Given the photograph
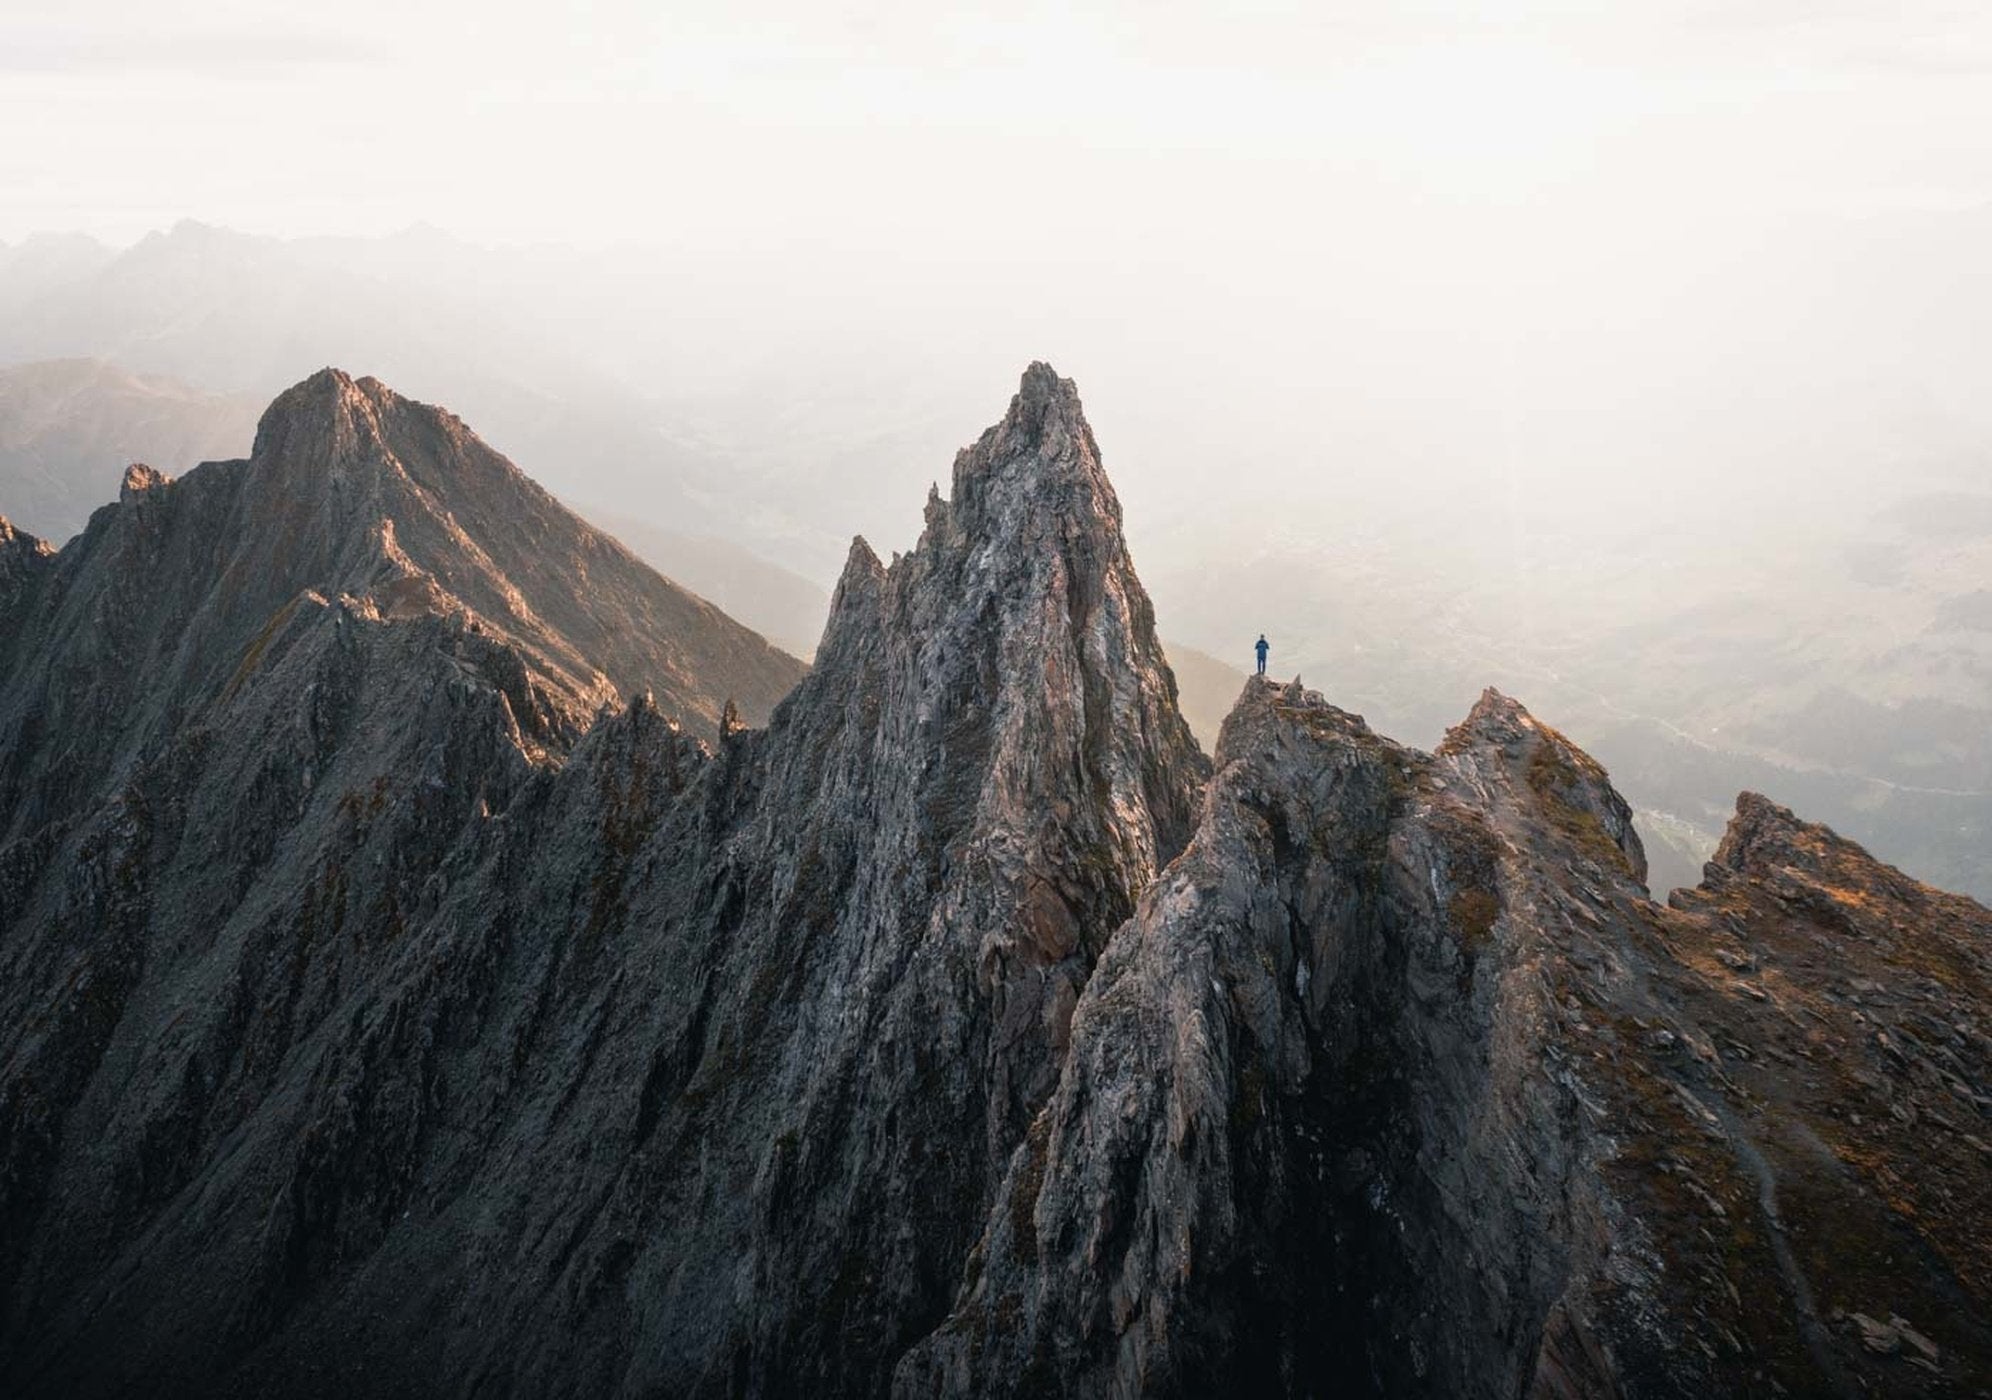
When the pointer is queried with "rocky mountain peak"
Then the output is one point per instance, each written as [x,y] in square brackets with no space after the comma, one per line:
[22,556]
[322,416]
[1500,745]
[333,427]
[1041,458]
[362,491]
[1011,658]
[377,505]
[1494,719]
[14,538]
[1025,571]
[1769,848]
[139,478]
[1267,710]
[1761,835]
[858,584]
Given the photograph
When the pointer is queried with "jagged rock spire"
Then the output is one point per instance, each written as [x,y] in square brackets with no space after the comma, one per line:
[1020,605]
[955,810]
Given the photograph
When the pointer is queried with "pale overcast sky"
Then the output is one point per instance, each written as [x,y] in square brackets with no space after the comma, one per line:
[1591,251]
[1011,127]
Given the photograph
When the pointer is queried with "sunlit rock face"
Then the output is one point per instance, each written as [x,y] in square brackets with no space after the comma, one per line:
[415,978]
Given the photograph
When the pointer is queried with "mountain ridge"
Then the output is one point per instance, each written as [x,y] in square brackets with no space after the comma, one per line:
[390,1005]
[919,743]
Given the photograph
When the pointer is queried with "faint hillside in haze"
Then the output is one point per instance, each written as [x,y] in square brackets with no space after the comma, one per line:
[69,427]
[1206,689]
[779,603]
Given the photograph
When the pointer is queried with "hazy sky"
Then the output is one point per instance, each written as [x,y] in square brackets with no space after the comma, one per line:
[954,132]
[1598,245]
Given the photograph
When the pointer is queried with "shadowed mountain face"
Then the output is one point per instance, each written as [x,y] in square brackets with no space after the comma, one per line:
[394,998]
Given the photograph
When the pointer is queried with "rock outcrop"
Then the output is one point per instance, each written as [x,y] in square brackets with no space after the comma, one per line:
[415,978]
[1398,1077]
[21,557]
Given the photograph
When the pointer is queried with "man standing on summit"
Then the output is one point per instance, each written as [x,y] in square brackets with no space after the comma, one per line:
[1262,648]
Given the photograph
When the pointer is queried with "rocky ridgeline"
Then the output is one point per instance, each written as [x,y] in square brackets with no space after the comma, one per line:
[1397,1076]
[410,983]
